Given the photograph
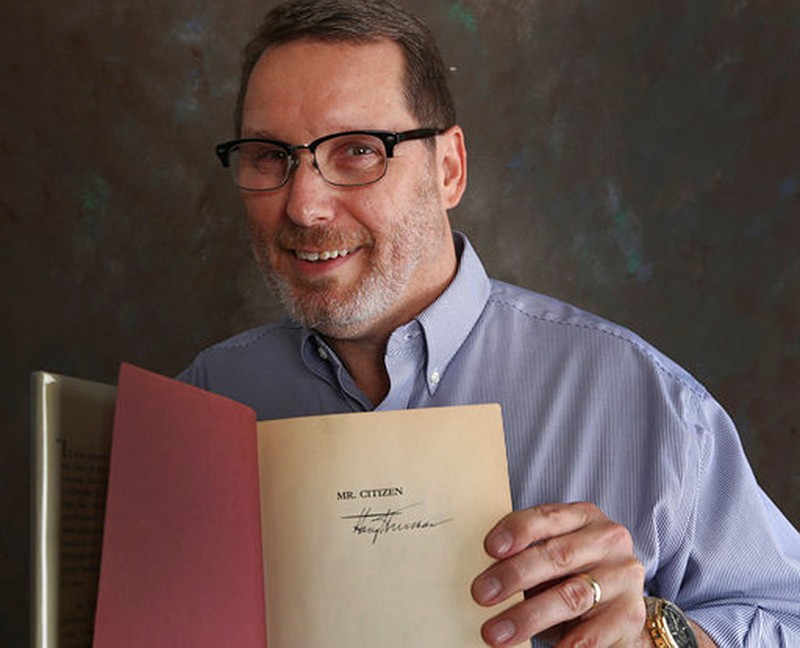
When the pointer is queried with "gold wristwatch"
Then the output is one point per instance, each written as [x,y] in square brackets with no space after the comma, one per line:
[667,625]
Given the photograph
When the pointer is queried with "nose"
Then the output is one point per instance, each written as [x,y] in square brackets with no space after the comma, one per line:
[310,200]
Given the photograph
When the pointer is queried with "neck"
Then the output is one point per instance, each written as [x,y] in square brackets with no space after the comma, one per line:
[364,359]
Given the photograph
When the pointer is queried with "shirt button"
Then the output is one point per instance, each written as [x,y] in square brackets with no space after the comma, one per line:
[323,353]
[435,378]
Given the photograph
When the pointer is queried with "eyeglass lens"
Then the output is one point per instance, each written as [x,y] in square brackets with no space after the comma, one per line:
[346,160]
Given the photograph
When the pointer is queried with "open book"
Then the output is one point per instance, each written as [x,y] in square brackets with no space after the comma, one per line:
[342,530]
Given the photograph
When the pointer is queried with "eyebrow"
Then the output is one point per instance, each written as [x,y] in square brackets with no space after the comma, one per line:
[264,134]
[259,134]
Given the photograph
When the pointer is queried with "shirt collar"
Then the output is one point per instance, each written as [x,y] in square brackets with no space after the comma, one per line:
[448,321]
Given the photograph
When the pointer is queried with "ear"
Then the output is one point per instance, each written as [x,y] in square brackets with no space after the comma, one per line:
[452,158]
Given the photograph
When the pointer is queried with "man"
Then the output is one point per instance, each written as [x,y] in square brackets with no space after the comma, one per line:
[627,478]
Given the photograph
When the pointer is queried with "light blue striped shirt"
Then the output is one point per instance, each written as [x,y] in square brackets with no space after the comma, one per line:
[591,413]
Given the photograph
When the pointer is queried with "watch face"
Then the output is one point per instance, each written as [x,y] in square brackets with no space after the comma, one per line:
[678,628]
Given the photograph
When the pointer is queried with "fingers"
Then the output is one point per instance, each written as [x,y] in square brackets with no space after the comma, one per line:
[517,530]
[620,623]
[574,549]
[570,599]
[618,614]
[566,600]
[578,569]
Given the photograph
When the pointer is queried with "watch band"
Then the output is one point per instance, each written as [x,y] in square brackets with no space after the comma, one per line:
[667,624]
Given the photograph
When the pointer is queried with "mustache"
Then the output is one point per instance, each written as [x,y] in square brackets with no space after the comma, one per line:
[322,237]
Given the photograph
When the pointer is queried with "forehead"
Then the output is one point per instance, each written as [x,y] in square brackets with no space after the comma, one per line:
[312,88]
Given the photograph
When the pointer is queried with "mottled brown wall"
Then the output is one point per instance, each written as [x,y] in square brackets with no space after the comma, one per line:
[638,159]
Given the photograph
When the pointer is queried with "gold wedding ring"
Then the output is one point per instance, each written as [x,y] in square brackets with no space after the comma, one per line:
[597,593]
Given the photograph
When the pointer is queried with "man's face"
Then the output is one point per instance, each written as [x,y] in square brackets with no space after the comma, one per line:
[348,261]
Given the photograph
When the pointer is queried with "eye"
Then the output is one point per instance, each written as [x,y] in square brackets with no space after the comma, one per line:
[268,154]
[261,157]
[355,151]
[358,149]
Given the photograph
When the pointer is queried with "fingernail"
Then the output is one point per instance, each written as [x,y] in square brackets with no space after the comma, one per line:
[486,589]
[499,543]
[501,631]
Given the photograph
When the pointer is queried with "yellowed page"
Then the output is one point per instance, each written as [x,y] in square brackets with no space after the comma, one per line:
[373,525]
[72,425]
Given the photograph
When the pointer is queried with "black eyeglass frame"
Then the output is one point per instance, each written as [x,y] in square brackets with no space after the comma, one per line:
[389,139]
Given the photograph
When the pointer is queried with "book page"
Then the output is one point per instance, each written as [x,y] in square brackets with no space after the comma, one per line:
[374,524]
[73,422]
[181,562]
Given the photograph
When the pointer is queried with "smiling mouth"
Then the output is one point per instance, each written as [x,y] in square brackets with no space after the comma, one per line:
[325,255]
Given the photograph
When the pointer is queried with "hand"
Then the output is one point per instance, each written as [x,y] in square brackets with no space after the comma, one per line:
[548,552]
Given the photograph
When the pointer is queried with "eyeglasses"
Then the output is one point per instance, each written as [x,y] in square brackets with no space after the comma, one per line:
[348,159]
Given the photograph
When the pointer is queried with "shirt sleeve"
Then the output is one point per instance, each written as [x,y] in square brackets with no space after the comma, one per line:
[194,374]
[736,572]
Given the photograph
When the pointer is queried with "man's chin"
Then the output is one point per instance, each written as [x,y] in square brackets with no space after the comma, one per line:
[335,325]
[325,311]
[336,311]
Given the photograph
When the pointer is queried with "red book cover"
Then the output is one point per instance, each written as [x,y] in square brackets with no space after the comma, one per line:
[181,562]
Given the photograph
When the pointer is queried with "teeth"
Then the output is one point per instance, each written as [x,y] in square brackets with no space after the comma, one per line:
[325,255]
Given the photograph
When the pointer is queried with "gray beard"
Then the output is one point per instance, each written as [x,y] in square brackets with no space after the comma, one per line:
[342,318]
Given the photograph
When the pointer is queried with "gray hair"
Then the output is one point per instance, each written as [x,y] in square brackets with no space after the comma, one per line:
[360,21]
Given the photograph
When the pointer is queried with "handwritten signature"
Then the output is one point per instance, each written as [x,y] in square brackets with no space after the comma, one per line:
[380,523]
